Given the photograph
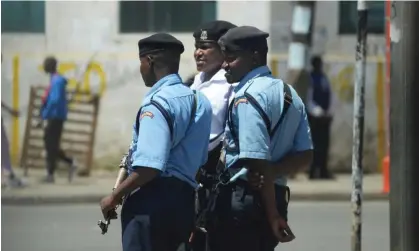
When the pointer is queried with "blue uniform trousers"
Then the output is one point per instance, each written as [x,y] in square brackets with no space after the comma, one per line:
[239,221]
[159,216]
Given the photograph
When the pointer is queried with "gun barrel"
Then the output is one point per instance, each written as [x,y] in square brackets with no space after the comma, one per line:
[122,175]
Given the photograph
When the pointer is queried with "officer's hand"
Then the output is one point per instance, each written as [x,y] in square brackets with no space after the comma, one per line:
[112,215]
[108,205]
[281,230]
[255,180]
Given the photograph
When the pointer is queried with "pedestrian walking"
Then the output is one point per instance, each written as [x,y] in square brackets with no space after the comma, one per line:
[6,165]
[54,111]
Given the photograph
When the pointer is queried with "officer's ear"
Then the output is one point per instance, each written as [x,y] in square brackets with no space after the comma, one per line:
[255,58]
[150,60]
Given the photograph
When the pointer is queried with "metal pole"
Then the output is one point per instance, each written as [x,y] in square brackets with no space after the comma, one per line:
[404,127]
[358,126]
[388,11]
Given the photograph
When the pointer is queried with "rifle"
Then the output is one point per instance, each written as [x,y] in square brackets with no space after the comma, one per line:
[203,216]
[122,175]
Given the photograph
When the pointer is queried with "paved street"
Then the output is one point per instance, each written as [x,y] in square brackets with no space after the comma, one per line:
[319,226]
[93,188]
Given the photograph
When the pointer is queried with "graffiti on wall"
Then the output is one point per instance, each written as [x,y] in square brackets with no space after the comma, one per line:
[108,75]
[93,77]
[343,84]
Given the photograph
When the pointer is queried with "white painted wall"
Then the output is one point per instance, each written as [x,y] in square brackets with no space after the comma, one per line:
[77,30]
[326,37]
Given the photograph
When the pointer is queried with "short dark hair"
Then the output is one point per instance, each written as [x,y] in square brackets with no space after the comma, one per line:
[316,59]
[50,64]
[167,59]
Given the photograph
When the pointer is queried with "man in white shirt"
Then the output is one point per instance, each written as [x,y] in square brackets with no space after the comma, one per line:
[211,80]
[212,83]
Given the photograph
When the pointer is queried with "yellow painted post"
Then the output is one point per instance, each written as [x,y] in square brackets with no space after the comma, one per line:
[14,143]
[381,121]
[274,66]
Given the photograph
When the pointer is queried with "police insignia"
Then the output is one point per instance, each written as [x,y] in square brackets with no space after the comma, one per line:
[204,35]
[240,100]
[146,114]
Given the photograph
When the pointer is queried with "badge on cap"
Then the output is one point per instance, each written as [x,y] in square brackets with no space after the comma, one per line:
[204,35]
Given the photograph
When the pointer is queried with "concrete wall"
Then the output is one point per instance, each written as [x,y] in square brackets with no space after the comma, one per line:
[77,32]
[341,75]
[326,39]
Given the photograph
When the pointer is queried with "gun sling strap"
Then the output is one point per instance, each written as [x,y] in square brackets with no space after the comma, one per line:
[287,103]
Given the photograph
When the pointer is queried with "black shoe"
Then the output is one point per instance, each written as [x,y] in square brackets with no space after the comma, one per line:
[327,176]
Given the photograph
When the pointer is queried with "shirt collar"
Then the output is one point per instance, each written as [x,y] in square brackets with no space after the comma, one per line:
[219,76]
[171,79]
[53,75]
[260,71]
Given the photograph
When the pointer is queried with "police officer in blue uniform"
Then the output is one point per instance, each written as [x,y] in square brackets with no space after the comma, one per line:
[170,143]
[267,133]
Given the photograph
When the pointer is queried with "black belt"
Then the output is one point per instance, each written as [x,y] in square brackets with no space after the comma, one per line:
[208,172]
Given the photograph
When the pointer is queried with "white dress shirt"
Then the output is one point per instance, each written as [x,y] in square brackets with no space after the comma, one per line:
[219,93]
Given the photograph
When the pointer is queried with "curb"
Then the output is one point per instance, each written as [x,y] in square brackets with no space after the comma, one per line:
[95,199]
[338,197]
[51,200]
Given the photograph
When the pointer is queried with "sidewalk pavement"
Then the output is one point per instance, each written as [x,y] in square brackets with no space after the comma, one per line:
[99,184]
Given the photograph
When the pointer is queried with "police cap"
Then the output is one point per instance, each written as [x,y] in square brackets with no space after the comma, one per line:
[212,31]
[159,42]
[244,38]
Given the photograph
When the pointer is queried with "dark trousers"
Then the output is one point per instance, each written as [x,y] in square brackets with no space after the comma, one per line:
[209,171]
[320,133]
[52,138]
[239,221]
[159,216]
[207,179]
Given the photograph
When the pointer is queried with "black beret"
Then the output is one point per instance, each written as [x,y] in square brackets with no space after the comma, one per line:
[159,42]
[212,31]
[244,38]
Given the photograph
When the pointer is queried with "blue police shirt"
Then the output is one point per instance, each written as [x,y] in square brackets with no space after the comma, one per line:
[254,142]
[55,106]
[153,146]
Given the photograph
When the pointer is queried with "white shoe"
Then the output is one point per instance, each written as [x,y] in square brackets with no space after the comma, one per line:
[72,170]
